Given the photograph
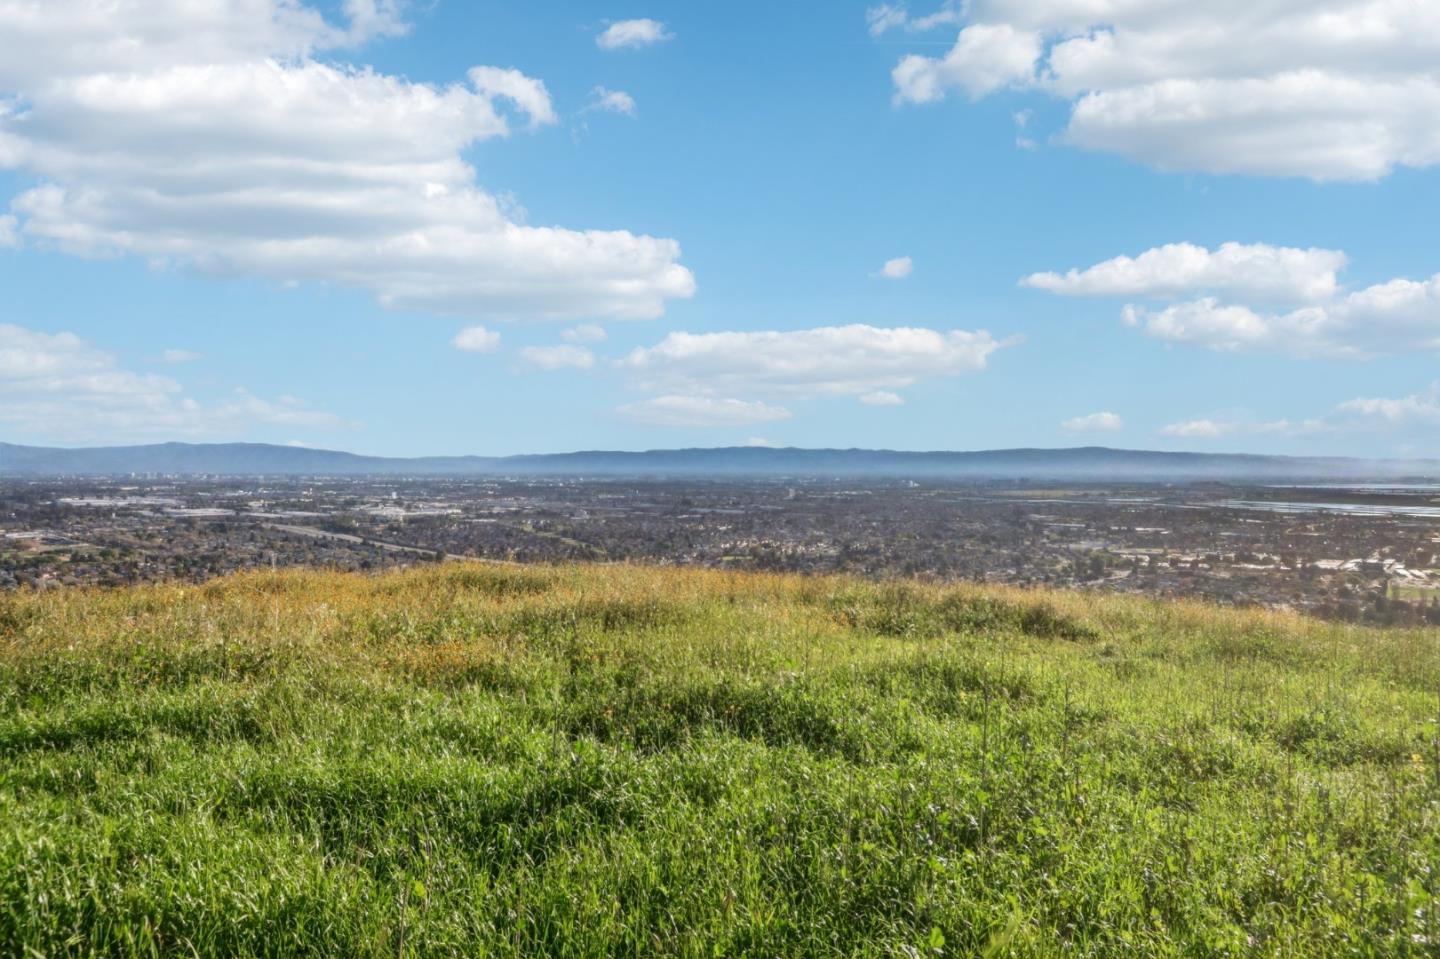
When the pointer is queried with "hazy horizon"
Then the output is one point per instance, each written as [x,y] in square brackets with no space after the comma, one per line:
[771,447]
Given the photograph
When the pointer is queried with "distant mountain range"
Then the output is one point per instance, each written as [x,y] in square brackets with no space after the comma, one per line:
[1086,463]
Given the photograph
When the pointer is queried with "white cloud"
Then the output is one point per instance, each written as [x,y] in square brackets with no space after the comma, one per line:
[1257,271]
[882,398]
[1325,89]
[1395,317]
[1309,311]
[761,443]
[1309,124]
[61,387]
[376,18]
[207,136]
[527,93]
[179,356]
[702,412]
[57,39]
[1237,329]
[560,357]
[9,232]
[611,101]
[1198,429]
[633,34]
[898,268]
[476,339]
[886,17]
[1416,415]
[827,361]
[1417,409]
[1244,425]
[585,333]
[1094,423]
[896,16]
[986,58]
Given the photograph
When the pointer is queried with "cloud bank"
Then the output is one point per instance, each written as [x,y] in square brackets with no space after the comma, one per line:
[60,386]
[214,136]
[1324,89]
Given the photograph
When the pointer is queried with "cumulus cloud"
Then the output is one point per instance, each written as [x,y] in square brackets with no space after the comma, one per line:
[527,93]
[179,356]
[882,398]
[476,339]
[208,135]
[1394,317]
[1238,329]
[898,268]
[633,34]
[564,356]
[1416,409]
[986,58]
[1094,423]
[611,101]
[1324,89]
[1257,271]
[827,361]
[60,386]
[1307,311]
[9,232]
[702,412]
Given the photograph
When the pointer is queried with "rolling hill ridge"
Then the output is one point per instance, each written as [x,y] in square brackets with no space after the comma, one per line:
[1089,463]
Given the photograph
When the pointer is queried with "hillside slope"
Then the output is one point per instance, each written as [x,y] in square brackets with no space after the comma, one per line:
[491,760]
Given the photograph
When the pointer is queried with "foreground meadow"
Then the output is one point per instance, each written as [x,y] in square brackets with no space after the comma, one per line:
[587,761]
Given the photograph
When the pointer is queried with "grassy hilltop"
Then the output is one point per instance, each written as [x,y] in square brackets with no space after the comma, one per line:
[592,761]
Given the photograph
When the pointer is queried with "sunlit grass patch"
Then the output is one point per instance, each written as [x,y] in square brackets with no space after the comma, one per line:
[622,760]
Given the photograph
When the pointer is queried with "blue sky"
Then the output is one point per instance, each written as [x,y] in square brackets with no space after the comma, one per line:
[272,221]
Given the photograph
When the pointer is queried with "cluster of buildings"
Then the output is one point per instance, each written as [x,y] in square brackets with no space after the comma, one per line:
[1362,562]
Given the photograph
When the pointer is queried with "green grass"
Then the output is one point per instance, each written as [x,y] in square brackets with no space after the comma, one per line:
[593,761]
[1421,594]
